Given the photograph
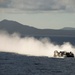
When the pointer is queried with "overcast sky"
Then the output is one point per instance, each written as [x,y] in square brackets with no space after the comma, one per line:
[52,14]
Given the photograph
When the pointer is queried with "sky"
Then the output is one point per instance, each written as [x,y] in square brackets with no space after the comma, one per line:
[51,14]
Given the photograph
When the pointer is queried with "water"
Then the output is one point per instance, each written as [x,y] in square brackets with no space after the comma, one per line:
[14,64]
[59,39]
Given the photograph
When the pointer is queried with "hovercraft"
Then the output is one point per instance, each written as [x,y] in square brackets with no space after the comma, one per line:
[62,54]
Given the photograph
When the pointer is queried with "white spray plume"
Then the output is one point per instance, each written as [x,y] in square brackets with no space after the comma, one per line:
[31,46]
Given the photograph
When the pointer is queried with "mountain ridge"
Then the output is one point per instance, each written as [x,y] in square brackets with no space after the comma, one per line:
[68,28]
[25,30]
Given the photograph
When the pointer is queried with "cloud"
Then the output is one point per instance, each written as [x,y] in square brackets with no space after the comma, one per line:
[38,5]
[4,3]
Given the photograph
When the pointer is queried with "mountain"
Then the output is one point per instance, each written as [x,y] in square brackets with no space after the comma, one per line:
[25,30]
[68,28]
[15,27]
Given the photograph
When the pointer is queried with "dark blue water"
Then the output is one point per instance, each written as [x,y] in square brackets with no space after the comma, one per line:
[59,40]
[15,64]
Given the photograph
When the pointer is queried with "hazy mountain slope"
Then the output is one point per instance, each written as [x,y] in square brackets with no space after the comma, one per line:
[15,64]
[15,27]
[12,27]
[68,28]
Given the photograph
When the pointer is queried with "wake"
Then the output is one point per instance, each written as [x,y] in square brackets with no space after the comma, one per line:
[31,46]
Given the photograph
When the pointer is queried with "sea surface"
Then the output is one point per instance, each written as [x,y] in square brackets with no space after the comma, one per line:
[15,64]
[59,39]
